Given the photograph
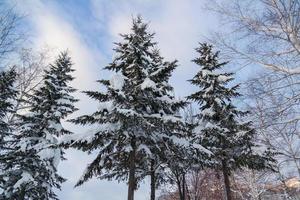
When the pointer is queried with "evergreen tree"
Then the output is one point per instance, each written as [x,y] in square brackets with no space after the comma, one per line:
[161,99]
[136,121]
[221,128]
[7,97]
[32,173]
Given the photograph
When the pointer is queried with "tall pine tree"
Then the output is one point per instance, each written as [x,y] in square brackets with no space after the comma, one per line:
[7,100]
[32,173]
[7,96]
[160,99]
[221,127]
[136,120]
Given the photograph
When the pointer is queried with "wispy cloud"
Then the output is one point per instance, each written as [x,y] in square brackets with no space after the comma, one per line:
[50,28]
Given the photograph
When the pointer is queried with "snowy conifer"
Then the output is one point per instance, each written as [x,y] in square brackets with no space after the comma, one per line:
[136,120]
[7,98]
[221,127]
[37,153]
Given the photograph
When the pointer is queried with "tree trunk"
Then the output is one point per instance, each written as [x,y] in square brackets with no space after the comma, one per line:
[177,175]
[226,180]
[131,181]
[153,181]
[22,194]
[181,197]
[183,186]
[188,194]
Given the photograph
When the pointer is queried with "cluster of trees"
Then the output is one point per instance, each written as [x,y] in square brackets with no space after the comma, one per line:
[29,145]
[261,36]
[265,35]
[140,130]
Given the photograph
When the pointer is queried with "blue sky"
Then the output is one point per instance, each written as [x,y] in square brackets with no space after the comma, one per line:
[88,28]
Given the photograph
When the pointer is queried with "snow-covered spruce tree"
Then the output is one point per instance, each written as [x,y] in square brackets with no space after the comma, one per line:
[37,154]
[221,127]
[7,97]
[136,119]
[158,163]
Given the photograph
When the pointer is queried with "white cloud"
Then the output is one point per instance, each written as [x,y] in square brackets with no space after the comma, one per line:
[52,30]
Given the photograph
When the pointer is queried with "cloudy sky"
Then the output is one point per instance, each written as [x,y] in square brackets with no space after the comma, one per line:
[88,28]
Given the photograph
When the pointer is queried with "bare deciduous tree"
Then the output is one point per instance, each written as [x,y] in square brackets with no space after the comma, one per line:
[29,66]
[10,34]
[27,63]
[263,32]
[275,106]
[250,184]
[267,33]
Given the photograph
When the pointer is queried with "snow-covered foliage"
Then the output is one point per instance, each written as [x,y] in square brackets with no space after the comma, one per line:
[7,97]
[148,83]
[32,173]
[221,127]
[137,118]
[117,81]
